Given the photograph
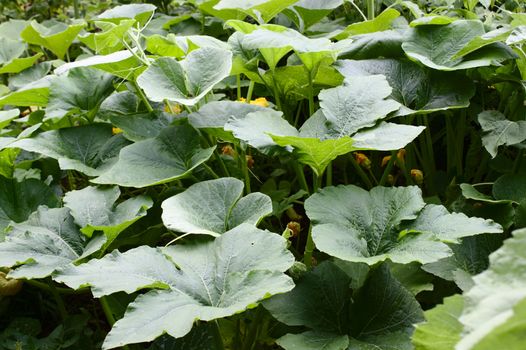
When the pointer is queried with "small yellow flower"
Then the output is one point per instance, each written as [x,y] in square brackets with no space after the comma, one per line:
[174,108]
[116,131]
[400,156]
[418,176]
[228,150]
[261,101]
[362,160]
[385,160]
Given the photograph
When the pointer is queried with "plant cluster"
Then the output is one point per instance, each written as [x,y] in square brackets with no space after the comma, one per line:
[263,174]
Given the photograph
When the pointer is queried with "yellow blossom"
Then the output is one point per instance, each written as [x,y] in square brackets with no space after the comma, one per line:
[116,131]
[418,176]
[362,160]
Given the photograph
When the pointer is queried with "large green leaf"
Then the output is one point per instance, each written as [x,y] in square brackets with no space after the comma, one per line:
[355,225]
[495,36]
[386,136]
[438,47]
[380,23]
[490,303]
[109,39]
[90,149]
[171,155]
[19,64]
[19,199]
[416,88]
[201,280]
[186,81]
[7,116]
[314,341]
[214,207]
[469,258]
[358,104]
[139,12]
[122,64]
[441,330]
[255,128]
[10,50]
[305,13]
[375,316]
[57,37]
[261,10]
[314,152]
[80,91]
[45,242]
[94,209]
[214,115]
[500,131]
[274,42]
[387,43]
[141,126]
[510,187]
[32,94]
[312,304]
[451,226]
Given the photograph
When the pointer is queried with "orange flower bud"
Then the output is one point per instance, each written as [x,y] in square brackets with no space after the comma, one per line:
[418,176]
[294,227]
[362,160]
[250,161]
[228,150]
[385,160]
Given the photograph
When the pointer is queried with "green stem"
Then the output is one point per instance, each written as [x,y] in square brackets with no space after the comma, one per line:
[309,246]
[360,172]
[238,81]
[244,168]
[76,8]
[142,96]
[370,9]
[107,311]
[251,337]
[212,172]
[388,169]
[311,92]
[309,249]
[216,333]
[250,91]
[329,174]
[301,176]
[58,299]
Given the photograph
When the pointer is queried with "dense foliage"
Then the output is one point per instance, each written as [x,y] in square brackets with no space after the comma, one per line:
[263,174]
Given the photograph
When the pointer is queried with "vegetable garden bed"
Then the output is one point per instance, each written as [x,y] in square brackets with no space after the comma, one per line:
[263,174]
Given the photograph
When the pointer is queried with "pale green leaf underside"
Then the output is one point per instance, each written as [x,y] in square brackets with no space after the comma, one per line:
[203,279]
[94,209]
[498,131]
[57,38]
[358,104]
[48,240]
[186,81]
[214,207]
[489,304]
[355,225]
